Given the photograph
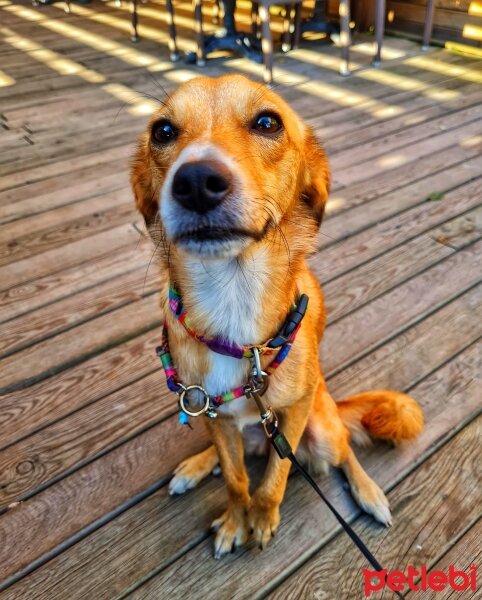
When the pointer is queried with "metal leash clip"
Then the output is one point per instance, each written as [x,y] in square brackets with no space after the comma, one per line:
[257,386]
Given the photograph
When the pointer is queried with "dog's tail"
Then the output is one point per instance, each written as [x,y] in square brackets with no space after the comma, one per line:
[382,414]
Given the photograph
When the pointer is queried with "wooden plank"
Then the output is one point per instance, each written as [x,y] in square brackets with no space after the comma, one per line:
[19,201]
[356,288]
[74,345]
[69,148]
[388,467]
[76,253]
[463,554]
[392,179]
[150,546]
[405,138]
[406,359]
[42,458]
[90,494]
[354,251]
[26,330]
[452,19]
[90,218]
[461,165]
[27,297]
[368,169]
[48,401]
[404,305]
[36,173]
[422,531]
[419,110]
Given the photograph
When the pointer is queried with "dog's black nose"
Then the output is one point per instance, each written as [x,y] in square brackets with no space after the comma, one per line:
[201,185]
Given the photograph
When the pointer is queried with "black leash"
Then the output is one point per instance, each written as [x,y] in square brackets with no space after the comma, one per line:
[284,450]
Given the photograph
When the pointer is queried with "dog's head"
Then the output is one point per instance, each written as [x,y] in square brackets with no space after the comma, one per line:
[226,164]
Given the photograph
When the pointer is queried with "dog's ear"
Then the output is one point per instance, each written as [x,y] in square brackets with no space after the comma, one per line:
[316,176]
[145,190]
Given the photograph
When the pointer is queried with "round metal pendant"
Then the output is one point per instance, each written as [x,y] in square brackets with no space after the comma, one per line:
[182,399]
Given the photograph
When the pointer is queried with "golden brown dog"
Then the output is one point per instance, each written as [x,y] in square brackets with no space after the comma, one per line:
[232,186]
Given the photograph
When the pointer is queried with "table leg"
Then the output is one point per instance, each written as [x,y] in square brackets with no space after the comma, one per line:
[344,10]
[134,21]
[171,26]
[379,31]
[428,27]
[267,43]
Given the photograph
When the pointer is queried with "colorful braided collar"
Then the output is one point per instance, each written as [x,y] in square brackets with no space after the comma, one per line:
[280,344]
[174,383]
[223,346]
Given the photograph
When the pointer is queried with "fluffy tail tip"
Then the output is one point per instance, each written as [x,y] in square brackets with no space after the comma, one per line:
[397,417]
[383,414]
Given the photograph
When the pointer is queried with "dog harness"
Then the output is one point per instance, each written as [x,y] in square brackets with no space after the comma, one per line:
[280,345]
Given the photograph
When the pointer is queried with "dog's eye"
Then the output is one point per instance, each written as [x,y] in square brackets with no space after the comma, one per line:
[164,132]
[267,123]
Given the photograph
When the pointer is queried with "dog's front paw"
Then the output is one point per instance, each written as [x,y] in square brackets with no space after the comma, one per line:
[231,531]
[373,501]
[192,470]
[263,520]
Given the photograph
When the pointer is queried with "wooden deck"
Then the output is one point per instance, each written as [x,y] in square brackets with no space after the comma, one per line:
[88,433]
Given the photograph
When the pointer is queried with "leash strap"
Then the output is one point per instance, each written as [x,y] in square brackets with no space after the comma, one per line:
[283,448]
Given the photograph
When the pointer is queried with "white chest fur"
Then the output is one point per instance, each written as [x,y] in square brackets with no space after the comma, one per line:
[228,295]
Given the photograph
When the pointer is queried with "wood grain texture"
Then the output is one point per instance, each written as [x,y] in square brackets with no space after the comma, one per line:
[305,520]
[461,165]
[39,292]
[425,525]
[463,554]
[359,248]
[77,501]
[57,353]
[113,210]
[24,412]
[88,436]
[69,312]
[152,546]
[75,253]
[355,288]
[404,305]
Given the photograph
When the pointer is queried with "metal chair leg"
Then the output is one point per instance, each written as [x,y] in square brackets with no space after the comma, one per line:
[428,27]
[255,18]
[344,11]
[379,31]
[266,43]
[198,18]
[171,27]
[286,37]
[134,35]
[296,36]
[216,12]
